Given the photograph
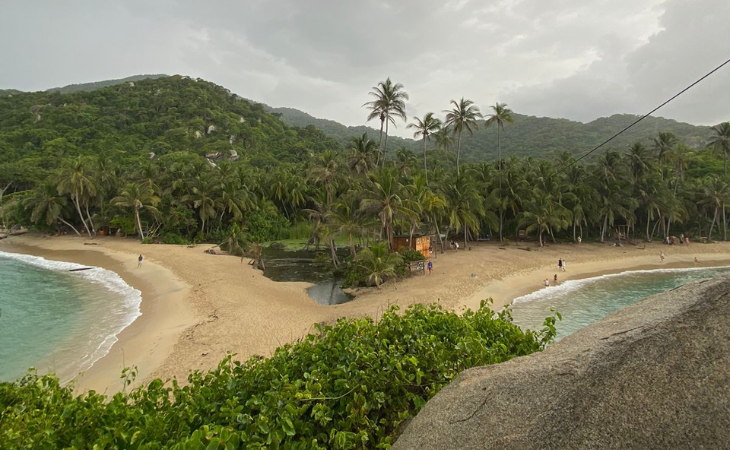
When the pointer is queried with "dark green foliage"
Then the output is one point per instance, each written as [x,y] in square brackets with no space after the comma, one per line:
[348,386]
[410,255]
[265,227]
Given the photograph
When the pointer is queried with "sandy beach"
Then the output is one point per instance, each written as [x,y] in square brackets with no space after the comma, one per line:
[197,307]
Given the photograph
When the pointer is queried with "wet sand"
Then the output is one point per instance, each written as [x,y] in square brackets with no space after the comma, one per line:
[198,307]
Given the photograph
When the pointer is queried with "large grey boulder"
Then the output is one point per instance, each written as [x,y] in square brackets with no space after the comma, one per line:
[655,375]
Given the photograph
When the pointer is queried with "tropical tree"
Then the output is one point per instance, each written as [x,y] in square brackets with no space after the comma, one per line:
[138,196]
[47,205]
[464,206]
[463,115]
[715,193]
[444,138]
[500,115]
[75,179]
[544,214]
[388,104]
[378,263]
[663,144]
[424,129]
[204,197]
[383,198]
[720,142]
[363,150]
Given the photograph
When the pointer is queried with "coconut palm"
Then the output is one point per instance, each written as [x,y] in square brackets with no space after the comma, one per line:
[720,141]
[138,196]
[463,115]
[389,103]
[383,198]
[363,150]
[464,206]
[663,144]
[425,128]
[715,193]
[75,179]
[378,263]
[501,115]
[346,219]
[543,213]
[47,205]
[204,197]
[326,170]
[444,138]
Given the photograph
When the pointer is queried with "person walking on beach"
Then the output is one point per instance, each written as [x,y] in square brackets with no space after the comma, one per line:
[555,280]
[579,240]
[139,261]
[661,256]
[560,264]
[430,267]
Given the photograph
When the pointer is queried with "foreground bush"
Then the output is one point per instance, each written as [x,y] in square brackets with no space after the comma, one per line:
[347,387]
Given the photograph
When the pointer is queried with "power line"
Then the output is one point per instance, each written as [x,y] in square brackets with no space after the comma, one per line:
[648,114]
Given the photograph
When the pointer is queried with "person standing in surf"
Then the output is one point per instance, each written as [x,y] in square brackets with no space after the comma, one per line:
[139,261]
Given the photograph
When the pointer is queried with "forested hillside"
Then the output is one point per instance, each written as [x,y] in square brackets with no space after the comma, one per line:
[528,135]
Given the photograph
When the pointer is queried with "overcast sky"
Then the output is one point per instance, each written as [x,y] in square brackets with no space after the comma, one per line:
[577,59]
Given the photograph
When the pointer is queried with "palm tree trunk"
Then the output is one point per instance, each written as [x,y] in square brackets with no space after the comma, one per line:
[458,152]
[499,169]
[574,231]
[724,224]
[75,201]
[335,262]
[466,233]
[441,241]
[72,227]
[93,228]
[712,226]
[380,143]
[604,227]
[385,145]
[139,224]
[648,221]
[425,165]
[550,230]
[352,245]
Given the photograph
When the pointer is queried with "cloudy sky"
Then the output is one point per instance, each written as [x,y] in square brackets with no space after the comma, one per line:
[577,59]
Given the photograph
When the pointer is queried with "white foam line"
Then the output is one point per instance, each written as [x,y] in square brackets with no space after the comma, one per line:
[573,285]
[106,278]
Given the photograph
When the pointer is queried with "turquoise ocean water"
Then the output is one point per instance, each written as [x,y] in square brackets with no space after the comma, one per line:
[59,321]
[582,302]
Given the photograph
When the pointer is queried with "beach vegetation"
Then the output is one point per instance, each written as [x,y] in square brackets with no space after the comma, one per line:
[351,384]
[182,160]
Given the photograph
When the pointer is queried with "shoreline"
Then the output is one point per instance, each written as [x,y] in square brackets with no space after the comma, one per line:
[197,308]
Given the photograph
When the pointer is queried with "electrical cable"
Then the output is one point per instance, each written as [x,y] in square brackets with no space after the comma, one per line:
[647,114]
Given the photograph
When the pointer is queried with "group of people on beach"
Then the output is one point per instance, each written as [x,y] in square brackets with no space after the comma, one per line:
[561,266]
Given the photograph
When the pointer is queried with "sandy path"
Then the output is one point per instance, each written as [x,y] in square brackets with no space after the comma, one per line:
[197,307]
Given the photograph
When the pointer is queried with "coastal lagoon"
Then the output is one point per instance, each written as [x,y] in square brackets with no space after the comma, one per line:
[583,302]
[56,320]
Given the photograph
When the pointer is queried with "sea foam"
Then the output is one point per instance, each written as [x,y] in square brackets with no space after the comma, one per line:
[127,311]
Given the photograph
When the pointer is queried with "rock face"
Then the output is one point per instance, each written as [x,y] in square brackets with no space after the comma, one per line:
[655,375]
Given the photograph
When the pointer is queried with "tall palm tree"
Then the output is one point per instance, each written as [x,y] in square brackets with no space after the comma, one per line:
[47,205]
[425,128]
[500,115]
[388,104]
[204,197]
[138,196]
[463,115]
[543,213]
[326,171]
[444,138]
[663,144]
[75,179]
[384,199]
[714,194]
[464,206]
[720,141]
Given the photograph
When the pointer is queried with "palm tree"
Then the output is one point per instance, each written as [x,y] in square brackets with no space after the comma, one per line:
[715,193]
[425,128]
[462,116]
[383,198]
[204,198]
[138,196]
[500,116]
[543,213]
[444,138]
[363,149]
[720,141]
[236,241]
[378,263]
[389,103]
[662,145]
[75,179]
[326,171]
[47,205]
[464,206]
[345,219]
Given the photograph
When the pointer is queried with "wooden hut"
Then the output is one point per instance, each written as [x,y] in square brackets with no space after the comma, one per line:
[420,243]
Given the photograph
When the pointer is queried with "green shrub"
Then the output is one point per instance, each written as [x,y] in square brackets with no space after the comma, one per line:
[300,230]
[350,385]
[126,224]
[265,227]
[174,238]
